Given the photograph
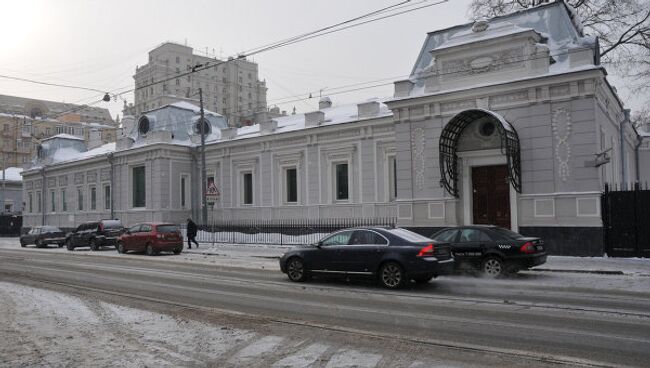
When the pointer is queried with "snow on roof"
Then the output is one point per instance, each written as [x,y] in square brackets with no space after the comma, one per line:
[333,115]
[468,36]
[552,21]
[188,106]
[12,174]
[70,154]
[64,136]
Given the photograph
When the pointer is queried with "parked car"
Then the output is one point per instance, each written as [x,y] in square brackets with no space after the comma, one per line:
[493,250]
[41,236]
[393,255]
[95,234]
[151,238]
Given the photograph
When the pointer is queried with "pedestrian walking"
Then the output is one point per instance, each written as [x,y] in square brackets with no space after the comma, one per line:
[191,233]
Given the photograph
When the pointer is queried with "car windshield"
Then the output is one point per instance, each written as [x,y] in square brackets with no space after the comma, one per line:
[409,235]
[506,233]
[167,228]
[112,224]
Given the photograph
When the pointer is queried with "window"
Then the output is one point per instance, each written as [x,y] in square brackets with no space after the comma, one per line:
[365,237]
[447,236]
[291,185]
[473,235]
[248,188]
[52,201]
[6,127]
[30,202]
[184,188]
[178,82]
[8,207]
[139,188]
[145,228]
[107,197]
[178,60]
[64,204]
[342,182]
[342,238]
[80,199]
[93,198]
[392,178]
[39,201]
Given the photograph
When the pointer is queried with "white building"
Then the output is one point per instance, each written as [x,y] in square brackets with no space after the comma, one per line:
[231,88]
[510,121]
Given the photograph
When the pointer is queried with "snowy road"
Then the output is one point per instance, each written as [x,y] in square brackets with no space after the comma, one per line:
[155,307]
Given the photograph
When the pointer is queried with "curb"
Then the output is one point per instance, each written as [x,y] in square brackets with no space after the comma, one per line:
[599,272]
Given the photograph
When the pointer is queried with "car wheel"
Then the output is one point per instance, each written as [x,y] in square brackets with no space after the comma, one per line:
[68,244]
[391,275]
[120,248]
[93,245]
[150,251]
[38,244]
[22,243]
[296,270]
[493,267]
[61,244]
[178,250]
[423,279]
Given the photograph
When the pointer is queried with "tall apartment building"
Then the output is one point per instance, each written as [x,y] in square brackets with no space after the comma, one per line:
[231,87]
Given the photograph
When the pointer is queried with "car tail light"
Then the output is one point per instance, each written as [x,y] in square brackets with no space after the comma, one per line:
[527,248]
[101,227]
[427,251]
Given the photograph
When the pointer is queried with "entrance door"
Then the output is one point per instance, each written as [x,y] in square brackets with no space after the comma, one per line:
[491,195]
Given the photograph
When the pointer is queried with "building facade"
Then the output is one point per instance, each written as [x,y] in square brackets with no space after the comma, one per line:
[11,191]
[21,135]
[509,121]
[231,88]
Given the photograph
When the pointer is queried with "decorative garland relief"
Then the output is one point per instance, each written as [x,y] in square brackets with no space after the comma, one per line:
[561,126]
[418,144]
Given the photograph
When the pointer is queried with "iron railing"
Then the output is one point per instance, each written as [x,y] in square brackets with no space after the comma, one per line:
[280,232]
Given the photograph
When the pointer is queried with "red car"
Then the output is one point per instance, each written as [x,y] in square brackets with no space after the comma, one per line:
[152,239]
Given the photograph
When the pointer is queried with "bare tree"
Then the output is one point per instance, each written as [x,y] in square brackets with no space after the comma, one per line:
[622,26]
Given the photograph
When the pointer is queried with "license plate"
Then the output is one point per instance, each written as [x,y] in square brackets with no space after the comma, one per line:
[539,247]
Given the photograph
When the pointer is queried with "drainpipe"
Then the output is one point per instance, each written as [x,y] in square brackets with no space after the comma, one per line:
[626,119]
[111,161]
[43,195]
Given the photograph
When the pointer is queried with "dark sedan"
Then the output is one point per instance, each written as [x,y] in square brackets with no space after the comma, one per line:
[393,256]
[493,250]
[41,236]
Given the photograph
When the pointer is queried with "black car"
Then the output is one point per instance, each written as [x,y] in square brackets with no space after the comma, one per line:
[41,236]
[95,234]
[493,250]
[393,255]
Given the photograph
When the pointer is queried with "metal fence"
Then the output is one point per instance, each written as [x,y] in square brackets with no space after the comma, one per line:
[626,220]
[280,232]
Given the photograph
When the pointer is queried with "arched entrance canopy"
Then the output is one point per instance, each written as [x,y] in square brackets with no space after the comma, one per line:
[449,144]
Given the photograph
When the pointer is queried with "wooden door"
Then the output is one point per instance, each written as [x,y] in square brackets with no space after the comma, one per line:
[491,195]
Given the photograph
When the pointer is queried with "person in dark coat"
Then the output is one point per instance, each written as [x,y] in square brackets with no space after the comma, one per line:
[191,233]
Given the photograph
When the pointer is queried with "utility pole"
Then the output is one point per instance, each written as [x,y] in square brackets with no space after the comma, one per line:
[204,205]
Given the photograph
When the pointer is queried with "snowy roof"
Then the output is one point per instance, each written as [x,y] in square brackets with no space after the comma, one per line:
[333,115]
[63,136]
[12,174]
[559,28]
[180,120]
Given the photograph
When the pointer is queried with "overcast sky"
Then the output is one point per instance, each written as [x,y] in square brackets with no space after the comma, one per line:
[98,44]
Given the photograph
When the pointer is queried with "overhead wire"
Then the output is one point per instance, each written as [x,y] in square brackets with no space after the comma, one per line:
[503,61]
